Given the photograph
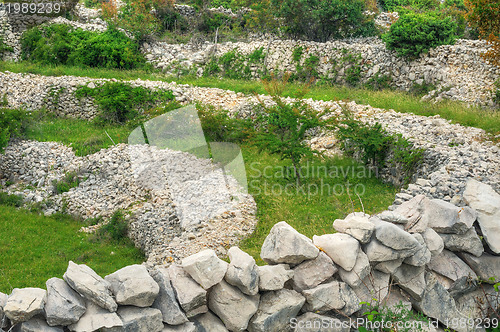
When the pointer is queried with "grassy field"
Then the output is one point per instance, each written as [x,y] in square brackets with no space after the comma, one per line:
[400,101]
[34,248]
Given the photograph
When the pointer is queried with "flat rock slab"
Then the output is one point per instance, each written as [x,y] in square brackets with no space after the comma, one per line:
[132,285]
[356,225]
[96,318]
[285,245]
[324,297]
[482,198]
[274,277]
[208,322]
[486,266]
[24,303]
[341,248]
[136,319]
[166,301]
[451,266]
[232,306]
[468,242]
[394,237]
[64,306]
[433,241]
[373,286]
[205,267]
[411,279]
[242,271]
[360,270]
[445,217]
[276,309]
[311,273]
[186,327]
[191,296]
[90,285]
[37,324]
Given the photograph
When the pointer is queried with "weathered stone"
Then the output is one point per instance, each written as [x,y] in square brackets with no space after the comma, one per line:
[191,296]
[205,267]
[486,266]
[136,319]
[468,242]
[373,286]
[433,241]
[232,306]
[352,302]
[377,252]
[449,265]
[389,267]
[90,285]
[186,327]
[275,310]
[242,271]
[166,301]
[479,303]
[64,306]
[411,279]
[96,318]
[24,303]
[360,270]
[37,324]
[445,217]
[285,245]
[324,297]
[273,277]
[132,285]
[412,211]
[392,217]
[341,248]
[311,273]
[358,226]
[437,303]
[397,300]
[3,301]
[311,322]
[482,198]
[208,322]
[422,256]
[394,237]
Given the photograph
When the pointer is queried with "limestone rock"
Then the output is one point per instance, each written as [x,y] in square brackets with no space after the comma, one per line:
[137,319]
[411,279]
[412,211]
[449,265]
[275,310]
[38,324]
[208,322]
[392,217]
[482,198]
[166,301]
[445,217]
[358,226]
[324,297]
[311,322]
[186,327]
[486,266]
[377,252]
[242,271]
[64,306]
[232,306]
[311,273]
[468,242]
[132,285]
[90,285]
[394,237]
[205,267]
[373,286]
[341,248]
[24,303]
[389,267]
[96,318]
[191,296]
[422,256]
[360,270]
[433,241]
[273,277]
[352,302]
[285,245]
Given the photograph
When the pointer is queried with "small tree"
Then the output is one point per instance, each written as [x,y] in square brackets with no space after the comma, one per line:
[282,128]
[485,16]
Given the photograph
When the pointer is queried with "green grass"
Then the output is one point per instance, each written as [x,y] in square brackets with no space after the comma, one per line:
[400,101]
[34,248]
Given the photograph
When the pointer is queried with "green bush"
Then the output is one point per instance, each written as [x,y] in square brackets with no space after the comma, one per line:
[116,229]
[321,20]
[416,33]
[61,44]
[235,65]
[209,21]
[394,5]
[119,102]
[10,200]
[219,127]
[69,181]
[13,123]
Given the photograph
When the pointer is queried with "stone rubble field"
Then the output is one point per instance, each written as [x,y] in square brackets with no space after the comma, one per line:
[424,254]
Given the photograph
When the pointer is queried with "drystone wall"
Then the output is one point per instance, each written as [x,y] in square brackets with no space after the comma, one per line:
[426,254]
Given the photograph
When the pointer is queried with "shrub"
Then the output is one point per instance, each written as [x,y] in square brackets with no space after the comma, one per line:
[116,229]
[209,21]
[10,200]
[119,102]
[219,127]
[394,5]
[61,44]
[321,20]
[13,123]
[69,181]
[415,33]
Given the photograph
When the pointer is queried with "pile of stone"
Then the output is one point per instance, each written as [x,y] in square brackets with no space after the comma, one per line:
[426,254]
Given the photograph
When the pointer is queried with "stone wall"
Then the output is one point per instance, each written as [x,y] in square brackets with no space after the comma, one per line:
[426,254]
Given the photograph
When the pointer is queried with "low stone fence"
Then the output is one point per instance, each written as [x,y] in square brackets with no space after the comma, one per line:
[426,254]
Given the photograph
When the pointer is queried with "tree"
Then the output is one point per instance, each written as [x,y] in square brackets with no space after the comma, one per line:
[485,16]
[282,128]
